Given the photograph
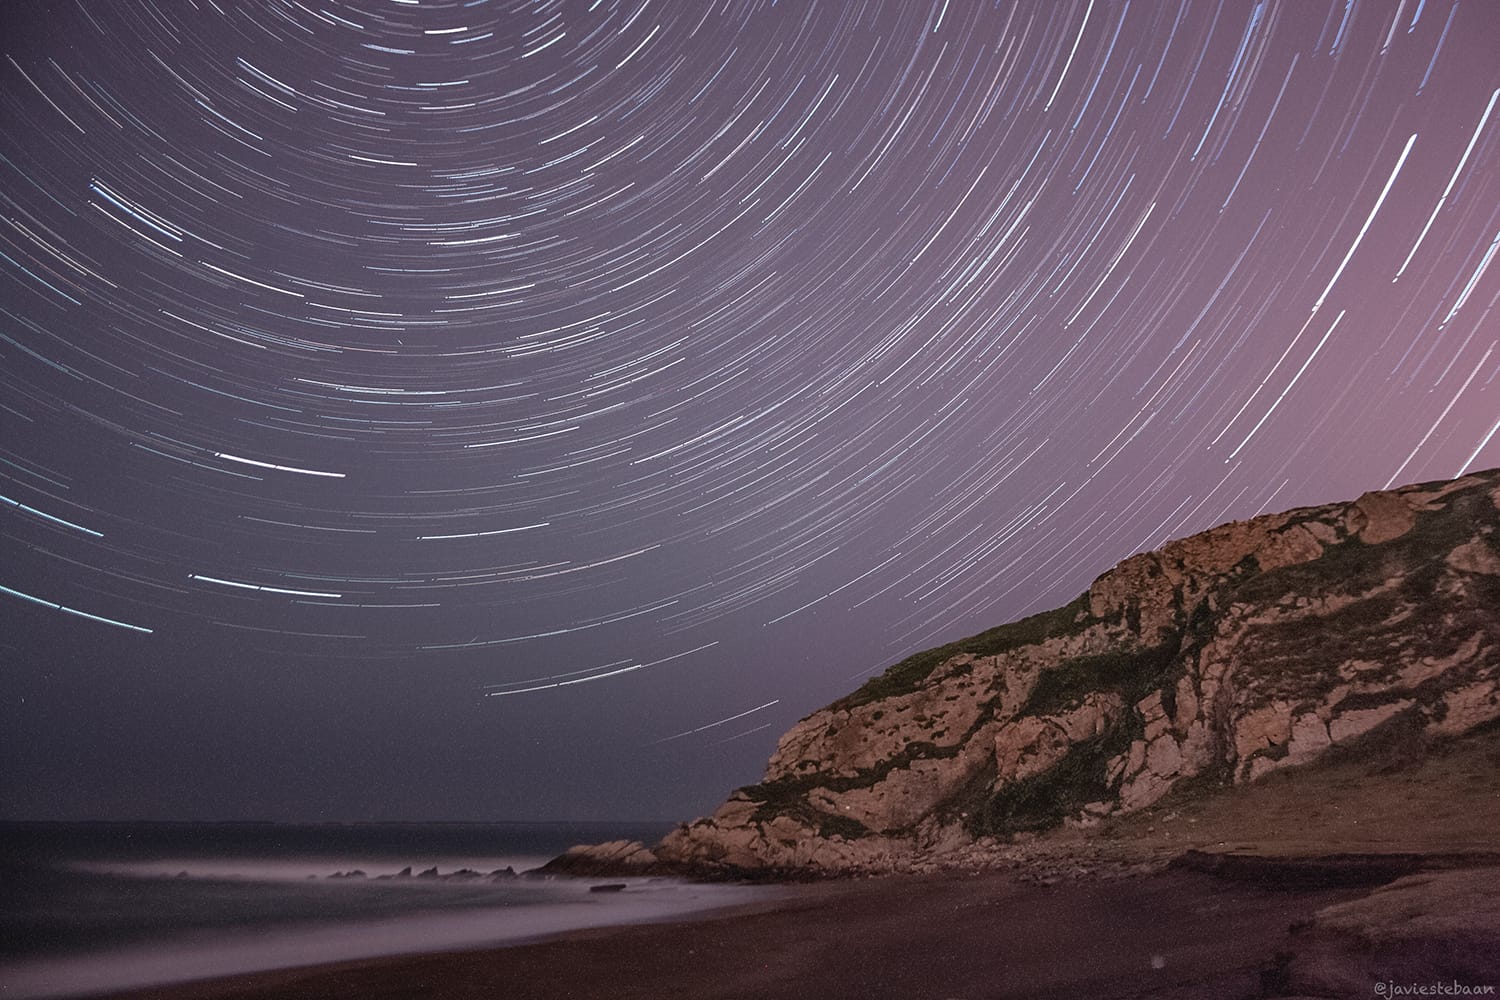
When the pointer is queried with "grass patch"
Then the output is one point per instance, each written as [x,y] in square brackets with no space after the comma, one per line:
[840,826]
[1134,674]
[1044,800]
[908,675]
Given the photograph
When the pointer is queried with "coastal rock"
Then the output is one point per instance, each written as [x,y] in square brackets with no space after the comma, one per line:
[1468,707]
[1029,747]
[1355,721]
[1252,647]
[617,857]
[1440,927]
[1381,517]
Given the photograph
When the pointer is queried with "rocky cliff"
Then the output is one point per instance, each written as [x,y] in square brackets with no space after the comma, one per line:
[1218,658]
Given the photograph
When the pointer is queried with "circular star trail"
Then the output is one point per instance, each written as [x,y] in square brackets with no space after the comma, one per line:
[498,409]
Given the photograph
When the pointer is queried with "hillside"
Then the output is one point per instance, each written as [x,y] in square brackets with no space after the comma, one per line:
[1368,627]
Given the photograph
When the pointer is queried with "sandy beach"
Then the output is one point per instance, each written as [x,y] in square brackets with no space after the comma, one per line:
[1041,930]
[1172,934]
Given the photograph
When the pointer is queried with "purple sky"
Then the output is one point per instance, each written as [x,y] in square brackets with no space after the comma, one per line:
[529,410]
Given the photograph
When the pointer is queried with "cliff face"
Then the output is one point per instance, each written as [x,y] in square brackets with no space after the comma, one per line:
[1222,656]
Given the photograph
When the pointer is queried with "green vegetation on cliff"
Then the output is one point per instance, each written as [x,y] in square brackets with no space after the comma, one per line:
[1044,800]
[908,675]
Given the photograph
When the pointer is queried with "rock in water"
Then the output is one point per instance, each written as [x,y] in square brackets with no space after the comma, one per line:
[618,857]
[1219,657]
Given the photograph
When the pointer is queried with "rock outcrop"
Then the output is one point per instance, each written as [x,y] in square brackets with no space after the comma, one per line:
[618,857]
[1221,657]
[1435,930]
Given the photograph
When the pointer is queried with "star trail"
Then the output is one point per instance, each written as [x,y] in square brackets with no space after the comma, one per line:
[527,410]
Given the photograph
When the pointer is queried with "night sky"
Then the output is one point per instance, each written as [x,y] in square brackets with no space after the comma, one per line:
[499,410]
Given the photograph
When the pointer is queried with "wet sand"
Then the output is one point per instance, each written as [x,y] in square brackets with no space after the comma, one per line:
[1172,934]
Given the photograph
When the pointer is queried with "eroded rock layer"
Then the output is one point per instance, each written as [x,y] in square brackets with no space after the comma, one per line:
[1218,658]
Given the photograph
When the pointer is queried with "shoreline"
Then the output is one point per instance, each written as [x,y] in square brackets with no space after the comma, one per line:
[1209,886]
[988,934]
[1204,923]
[188,959]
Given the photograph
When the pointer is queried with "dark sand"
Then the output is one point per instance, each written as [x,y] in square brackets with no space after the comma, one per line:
[967,937]
[1174,934]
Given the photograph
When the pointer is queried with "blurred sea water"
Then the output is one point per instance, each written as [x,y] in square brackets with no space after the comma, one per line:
[89,908]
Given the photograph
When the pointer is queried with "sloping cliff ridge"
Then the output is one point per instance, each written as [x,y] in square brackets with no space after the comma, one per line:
[1220,657]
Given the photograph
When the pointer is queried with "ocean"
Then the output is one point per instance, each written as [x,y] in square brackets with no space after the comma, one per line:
[91,908]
